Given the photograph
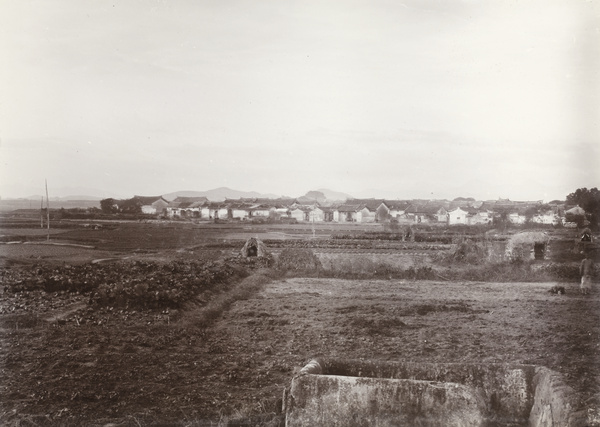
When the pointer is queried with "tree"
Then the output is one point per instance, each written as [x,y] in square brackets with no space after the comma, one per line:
[108,206]
[530,213]
[131,206]
[589,201]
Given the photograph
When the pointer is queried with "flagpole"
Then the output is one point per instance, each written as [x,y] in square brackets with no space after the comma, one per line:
[47,211]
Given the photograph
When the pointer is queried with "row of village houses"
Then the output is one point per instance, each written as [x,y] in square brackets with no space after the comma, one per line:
[467,212]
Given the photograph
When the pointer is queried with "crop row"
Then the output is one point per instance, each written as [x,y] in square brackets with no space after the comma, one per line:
[136,284]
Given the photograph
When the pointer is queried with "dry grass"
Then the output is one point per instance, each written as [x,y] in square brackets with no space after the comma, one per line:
[204,316]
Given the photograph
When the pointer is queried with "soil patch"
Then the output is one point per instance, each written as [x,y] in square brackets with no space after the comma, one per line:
[139,367]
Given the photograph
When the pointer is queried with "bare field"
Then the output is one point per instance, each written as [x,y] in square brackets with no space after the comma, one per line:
[139,370]
[66,361]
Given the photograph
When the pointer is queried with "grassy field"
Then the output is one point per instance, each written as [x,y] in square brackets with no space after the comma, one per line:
[159,323]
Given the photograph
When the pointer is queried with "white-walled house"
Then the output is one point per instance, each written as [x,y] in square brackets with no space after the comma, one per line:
[300,214]
[517,218]
[365,215]
[346,213]
[391,209]
[260,210]
[316,214]
[238,211]
[549,217]
[186,207]
[280,211]
[217,211]
[479,216]
[458,216]
[152,205]
[427,213]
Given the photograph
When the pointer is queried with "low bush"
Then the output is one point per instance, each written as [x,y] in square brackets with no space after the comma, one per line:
[252,263]
[561,272]
[298,260]
[360,267]
[464,252]
[513,271]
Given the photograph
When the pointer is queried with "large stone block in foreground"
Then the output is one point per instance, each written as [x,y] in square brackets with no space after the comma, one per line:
[327,400]
[356,393]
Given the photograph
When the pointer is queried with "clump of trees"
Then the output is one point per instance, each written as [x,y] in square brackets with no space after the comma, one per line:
[109,206]
[113,206]
[589,201]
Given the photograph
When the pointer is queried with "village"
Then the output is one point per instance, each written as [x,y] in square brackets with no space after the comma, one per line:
[460,211]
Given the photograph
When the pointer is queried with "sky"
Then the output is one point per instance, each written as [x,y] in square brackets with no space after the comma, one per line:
[375,98]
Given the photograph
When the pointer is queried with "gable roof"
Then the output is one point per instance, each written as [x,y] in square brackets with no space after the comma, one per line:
[349,207]
[425,208]
[302,208]
[469,210]
[370,204]
[396,204]
[282,201]
[188,202]
[148,200]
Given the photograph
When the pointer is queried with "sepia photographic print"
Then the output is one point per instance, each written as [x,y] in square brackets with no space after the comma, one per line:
[299,213]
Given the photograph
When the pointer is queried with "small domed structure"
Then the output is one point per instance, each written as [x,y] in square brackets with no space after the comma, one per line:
[528,245]
[254,248]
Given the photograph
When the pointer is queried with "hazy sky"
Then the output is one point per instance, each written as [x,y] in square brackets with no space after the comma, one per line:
[432,99]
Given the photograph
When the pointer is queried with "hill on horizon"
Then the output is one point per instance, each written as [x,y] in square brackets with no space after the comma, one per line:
[216,195]
[332,195]
[222,193]
[219,194]
[61,198]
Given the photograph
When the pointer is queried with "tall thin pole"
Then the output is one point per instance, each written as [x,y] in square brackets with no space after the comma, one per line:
[42,213]
[47,210]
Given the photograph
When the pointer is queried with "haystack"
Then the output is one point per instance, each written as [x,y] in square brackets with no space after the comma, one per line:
[254,248]
[521,245]
[469,251]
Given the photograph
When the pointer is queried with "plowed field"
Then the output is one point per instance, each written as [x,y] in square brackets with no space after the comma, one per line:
[132,368]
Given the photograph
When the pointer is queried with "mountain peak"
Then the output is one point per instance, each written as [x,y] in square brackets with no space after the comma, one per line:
[334,195]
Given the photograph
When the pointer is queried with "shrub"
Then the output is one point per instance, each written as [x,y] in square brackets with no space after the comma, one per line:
[298,260]
[561,272]
[514,271]
[362,267]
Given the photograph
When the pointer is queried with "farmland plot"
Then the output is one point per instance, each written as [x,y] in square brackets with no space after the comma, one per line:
[77,357]
[139,368]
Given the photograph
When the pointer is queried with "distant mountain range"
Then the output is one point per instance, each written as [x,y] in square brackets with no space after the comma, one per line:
[222,193]
[66,198]
[219,194]
[216,195]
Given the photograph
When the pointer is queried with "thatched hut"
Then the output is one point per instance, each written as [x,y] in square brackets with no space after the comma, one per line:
[528,245]
[254,248]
